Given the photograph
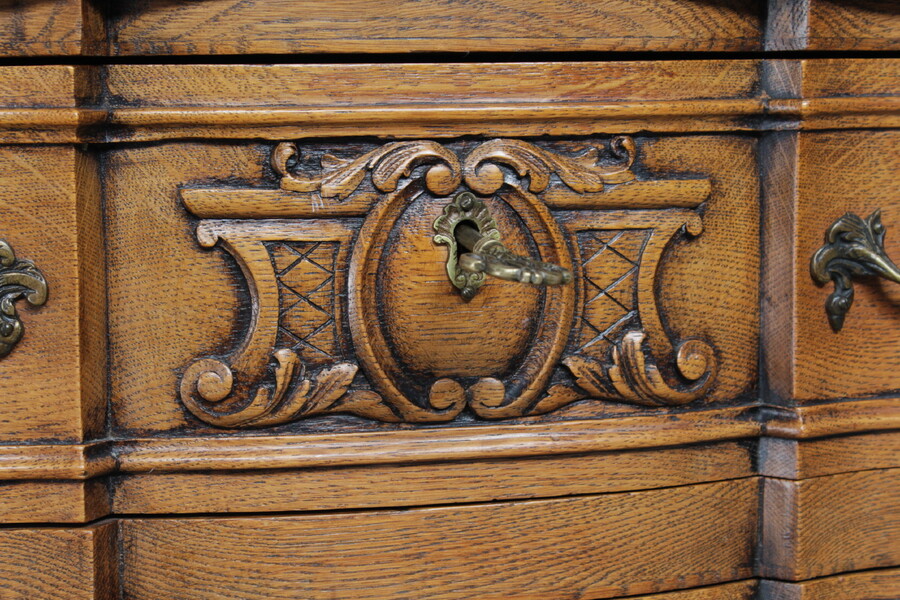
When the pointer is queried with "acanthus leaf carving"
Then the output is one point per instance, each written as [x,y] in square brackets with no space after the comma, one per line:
[582,172]
[388,164]
[636,368]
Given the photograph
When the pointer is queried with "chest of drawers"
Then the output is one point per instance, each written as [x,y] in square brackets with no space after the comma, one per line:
[249,353]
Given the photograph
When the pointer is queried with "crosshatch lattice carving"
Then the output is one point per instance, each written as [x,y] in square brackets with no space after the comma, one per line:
[320,254]
[305,273]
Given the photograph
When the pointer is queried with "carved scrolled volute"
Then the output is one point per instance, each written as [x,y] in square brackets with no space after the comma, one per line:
[346,247]
[18,279]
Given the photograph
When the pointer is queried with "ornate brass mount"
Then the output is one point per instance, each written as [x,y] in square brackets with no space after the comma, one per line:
[18,279]
[467,222]
[853,248]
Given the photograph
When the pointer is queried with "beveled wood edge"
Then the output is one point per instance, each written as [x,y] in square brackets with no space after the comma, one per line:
[835,418]
[430,445]
[63,125]
[172,454]
[56,461]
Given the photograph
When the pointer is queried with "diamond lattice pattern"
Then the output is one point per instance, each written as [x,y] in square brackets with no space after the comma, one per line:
[610,261]
[305,272]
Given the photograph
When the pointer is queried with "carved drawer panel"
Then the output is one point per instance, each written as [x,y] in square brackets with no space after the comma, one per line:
[306,279]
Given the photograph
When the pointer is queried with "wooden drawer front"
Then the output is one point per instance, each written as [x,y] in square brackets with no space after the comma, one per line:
[844,172]
[286,26]
[392,338]
[52,368]
[58,564]
[594,546]
[832,524]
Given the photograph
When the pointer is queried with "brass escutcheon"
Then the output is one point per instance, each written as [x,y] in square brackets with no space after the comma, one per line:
[468,223]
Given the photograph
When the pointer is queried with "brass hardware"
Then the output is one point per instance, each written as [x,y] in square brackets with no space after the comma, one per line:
[467,222]
[853,248]
[18,279]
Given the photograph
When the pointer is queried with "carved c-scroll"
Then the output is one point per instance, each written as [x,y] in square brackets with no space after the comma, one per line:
[265,382]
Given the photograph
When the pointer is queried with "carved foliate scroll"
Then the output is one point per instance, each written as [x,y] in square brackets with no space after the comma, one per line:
[345,245]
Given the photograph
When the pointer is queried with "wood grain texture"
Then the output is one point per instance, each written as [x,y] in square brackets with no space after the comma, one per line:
[54,461]
[829,25]
[594,546]
[53,501]
[859,25]
[833,418]
[740,590]
[58,564]
[285,26]
[38,103]
[437,100]
[827,525]
[44,28]
[54,383]
[433,444]
[803,194]
[869,585]
[148,352]
[433,483]
[802,459]
[846,172]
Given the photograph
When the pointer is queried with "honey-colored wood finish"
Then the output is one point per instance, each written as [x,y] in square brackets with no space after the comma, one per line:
[53,385]
[802,459]
[883,584]
[827,25]
[283,26]
[741,590]
[696,475]
[806,194]
[430,483]
[832,524]
[48,28]
[58,564]
[594,546]
[142,389]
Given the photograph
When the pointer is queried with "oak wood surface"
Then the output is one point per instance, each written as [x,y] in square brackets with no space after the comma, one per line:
[431,483]
[594,546]
[237,452]
[883,584]
[861,25]
[846,172]
[802,459]
[46,28]
[811,179]
[58,564]
[739,590]
[284,26]
[53,384]
[831,418]
[150,347]
[53,501]
[826,525]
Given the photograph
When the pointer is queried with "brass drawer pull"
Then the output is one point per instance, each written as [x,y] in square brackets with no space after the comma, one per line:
[19,278]
[853,248]
[468,223]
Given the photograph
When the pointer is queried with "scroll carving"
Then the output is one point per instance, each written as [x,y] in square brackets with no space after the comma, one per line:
[310,277]
[18,279]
